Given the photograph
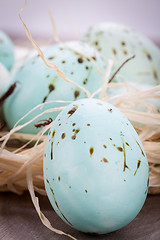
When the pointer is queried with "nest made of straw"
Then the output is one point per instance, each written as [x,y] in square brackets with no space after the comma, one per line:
[20,151]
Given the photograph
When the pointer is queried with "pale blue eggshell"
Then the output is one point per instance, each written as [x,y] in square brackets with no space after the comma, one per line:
[6,51]
[4,84]
[119,42]
[4,79]
[95,167]
[36,83]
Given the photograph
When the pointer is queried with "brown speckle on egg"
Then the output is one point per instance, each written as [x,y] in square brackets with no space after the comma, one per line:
[85,81]
[138,165]
[110,110]
[155,74]
[91,150]
[47,181]
[51,87]
[80,60]
[123,43]
[76,93]
[95,43]
[128,145]
[104,160]
[140,148]
[147,54]
[58,206]
[114,51]
[124,153]
[51,150]
[63,135]
[53,133]
[45,98]
[77,130]
[120,149]
[125,52]
[73,137]
[72,111]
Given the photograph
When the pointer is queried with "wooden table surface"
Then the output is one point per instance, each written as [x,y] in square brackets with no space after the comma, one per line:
[19,221]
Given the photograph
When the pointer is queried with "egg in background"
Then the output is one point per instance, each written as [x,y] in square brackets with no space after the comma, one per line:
[118,42]
[6,50]
[4,84]
[36,83]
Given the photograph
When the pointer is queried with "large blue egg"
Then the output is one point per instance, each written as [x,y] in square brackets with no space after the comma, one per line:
[95,167]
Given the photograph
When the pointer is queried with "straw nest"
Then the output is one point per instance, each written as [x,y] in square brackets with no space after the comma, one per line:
[20,152]
[21,155]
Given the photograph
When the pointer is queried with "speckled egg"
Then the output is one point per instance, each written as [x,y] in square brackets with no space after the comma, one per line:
[6,51]
[119,42]
[36,83]
[95,167]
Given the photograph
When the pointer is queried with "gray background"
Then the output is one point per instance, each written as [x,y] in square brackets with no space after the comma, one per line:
[73,17]
[19,221]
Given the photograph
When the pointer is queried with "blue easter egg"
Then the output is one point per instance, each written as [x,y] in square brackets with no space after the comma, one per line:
[95,168]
